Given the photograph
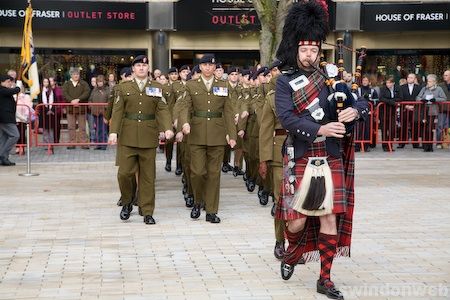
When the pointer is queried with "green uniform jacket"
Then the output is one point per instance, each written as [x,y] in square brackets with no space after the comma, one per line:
[210,131]
[131,111]
[270,145]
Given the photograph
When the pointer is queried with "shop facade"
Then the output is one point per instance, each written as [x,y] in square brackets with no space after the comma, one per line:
[96,37]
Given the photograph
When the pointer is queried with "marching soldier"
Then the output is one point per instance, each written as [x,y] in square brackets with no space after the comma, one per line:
[170,97]
[210,129]
[237,102]
[139,112]
[179,88]
[271,138]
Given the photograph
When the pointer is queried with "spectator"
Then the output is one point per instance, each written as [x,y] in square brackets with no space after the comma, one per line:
[409,114]
[93,82]
[24,114]
[389,95]
[444,114]
[90,117]
[8,129]
[99,94]
[13,74]
[348,78]
[58,98]
[366,91]
[112,81]
[76,91]
[430,94]
[47,97]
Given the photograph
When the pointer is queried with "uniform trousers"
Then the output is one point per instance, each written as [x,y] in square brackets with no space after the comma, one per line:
[205,175]
[140,160]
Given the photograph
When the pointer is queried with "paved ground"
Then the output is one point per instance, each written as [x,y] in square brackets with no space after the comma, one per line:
[61,237]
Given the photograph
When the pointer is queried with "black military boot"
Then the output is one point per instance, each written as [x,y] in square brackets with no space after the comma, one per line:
[126,211]
[168,166]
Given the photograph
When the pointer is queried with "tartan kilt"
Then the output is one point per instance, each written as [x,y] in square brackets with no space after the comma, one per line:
[342,170]
[284,211]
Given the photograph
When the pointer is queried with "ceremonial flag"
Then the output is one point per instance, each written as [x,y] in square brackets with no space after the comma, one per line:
[29,73]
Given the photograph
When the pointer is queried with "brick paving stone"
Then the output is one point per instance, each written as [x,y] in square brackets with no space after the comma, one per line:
[61,237]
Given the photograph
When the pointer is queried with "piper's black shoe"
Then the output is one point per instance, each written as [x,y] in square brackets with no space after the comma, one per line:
[250,186]
[149,220]
[245,177]
[237,172]
[184,191]
[195,212]
[286,270]
[327,288]
[224,168]
[178,171]
[272,211]
[213,218]
[278,251]
[189,201]
[119,203]
[168,166]
[126,211]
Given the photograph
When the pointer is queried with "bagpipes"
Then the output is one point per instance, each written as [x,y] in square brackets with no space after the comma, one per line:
[341,96]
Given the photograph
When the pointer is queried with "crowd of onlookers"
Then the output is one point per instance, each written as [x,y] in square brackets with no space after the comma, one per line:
[422,123]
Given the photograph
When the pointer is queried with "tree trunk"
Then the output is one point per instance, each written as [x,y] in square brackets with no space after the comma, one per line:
[271,14]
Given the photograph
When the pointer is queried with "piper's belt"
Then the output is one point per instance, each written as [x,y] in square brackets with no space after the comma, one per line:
[207,114]
[280,132]
[139,117]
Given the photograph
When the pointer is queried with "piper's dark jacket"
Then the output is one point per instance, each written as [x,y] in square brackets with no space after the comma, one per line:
[303,128]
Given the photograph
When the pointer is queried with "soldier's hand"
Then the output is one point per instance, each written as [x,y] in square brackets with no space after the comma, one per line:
[169,134]
[105,121]
[186,128]
[179,137]
[230,142]
[244,114]
[241,133]
[236,119]
[162,136]
[112,139]
[347,115]
[175,123]
[263,169]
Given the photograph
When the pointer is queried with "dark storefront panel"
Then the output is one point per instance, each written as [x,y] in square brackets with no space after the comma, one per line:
[73,15]
[381,64]
[405,17]
[57,62]
[241,58]
[222,15]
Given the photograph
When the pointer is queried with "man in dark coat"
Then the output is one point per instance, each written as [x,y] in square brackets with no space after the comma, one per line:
[409,113]
[9,134]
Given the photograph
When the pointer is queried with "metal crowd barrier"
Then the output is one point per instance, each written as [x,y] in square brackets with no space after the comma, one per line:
[72,125]
[414,122]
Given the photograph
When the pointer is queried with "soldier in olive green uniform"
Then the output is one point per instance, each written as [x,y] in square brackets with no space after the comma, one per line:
[210,129]
[140,112]
[125,75]
[271,139]
[236,98]
[179,87]
[170,97]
